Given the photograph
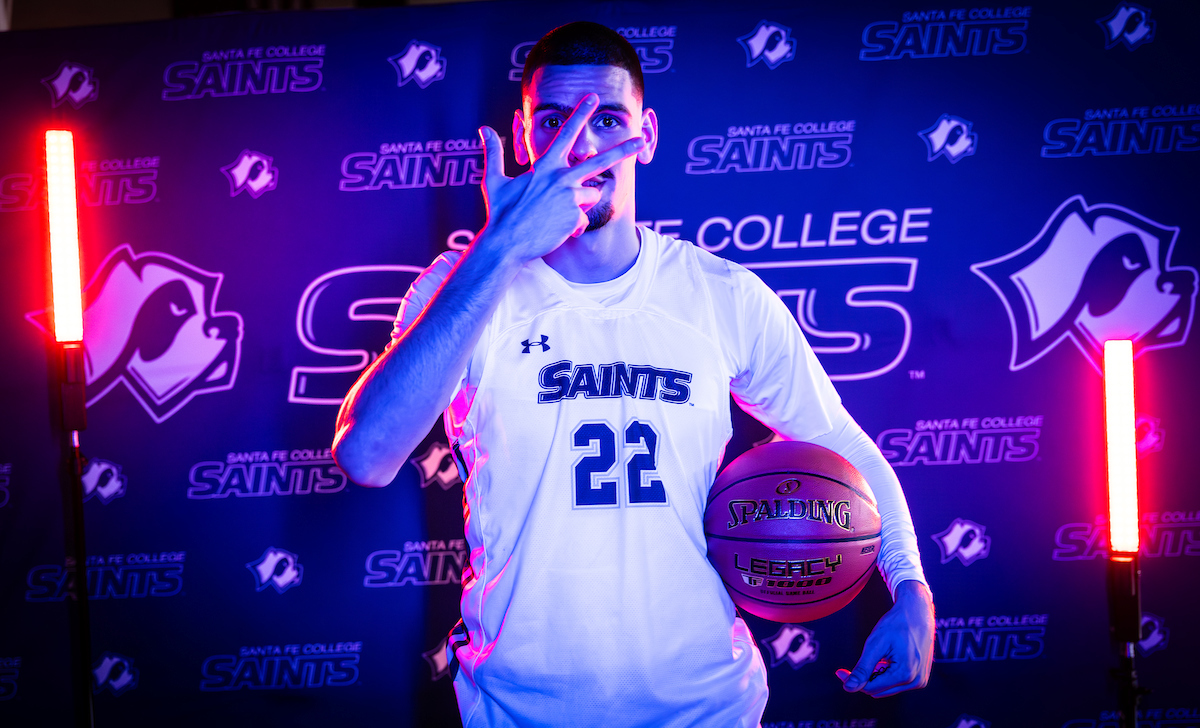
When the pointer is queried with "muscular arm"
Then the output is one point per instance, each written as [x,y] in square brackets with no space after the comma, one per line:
[392,406]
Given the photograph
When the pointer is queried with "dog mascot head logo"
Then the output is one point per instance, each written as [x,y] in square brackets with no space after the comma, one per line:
[1149,434]
[420,62]
[151,322]
[963,540]
[970,721]
[115,673]
[103,480]
[72,83]
[1130,24]
[252,172]
[278,568]
[1155,634]
[1092,274]
[770,43]
[950,137]
[437,465]
[792,644]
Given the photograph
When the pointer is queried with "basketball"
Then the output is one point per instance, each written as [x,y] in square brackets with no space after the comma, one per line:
[793,530]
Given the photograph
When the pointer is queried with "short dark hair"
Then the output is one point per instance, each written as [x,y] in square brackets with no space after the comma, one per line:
[583,44]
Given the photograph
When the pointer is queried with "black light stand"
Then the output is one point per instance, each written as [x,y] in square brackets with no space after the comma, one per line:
[1125,630]
[74,419]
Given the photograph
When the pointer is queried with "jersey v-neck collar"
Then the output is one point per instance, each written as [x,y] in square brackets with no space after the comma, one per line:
[642,275]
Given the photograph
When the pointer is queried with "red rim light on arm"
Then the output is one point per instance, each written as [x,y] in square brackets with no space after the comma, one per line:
[64,236]
[1122,451]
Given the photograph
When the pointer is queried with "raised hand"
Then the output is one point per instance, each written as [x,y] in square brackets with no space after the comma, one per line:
[534,213]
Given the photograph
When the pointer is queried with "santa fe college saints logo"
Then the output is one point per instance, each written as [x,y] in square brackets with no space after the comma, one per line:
[276,567]
[72,83]
[793,644]
[964,540]
[252,172]
[770,43]
[114,673]
[420,62]
[1093,273]
[151,323]
[1128,23]
[950,137]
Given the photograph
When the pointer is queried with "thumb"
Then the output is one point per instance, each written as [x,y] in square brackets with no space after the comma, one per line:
[493,158]
[854,680]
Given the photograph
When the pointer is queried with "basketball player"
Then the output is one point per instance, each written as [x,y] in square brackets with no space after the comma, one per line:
[584,366]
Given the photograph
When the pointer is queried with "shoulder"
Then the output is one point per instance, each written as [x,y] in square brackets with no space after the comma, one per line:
[441,265]
[431,278]
[422,289]
[718,274]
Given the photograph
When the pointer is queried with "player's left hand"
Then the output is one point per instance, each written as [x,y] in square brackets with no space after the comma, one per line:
[899,652]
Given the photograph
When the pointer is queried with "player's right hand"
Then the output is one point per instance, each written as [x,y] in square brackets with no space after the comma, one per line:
[537,211]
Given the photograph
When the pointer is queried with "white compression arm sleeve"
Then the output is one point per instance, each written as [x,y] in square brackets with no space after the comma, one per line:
[899,558]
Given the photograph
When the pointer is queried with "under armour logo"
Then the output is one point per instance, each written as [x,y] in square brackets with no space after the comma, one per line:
[527,343]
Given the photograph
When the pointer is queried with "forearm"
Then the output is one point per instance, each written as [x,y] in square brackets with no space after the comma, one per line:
[391,407]
[899,559]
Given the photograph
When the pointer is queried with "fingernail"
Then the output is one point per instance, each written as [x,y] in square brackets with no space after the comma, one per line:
[591,99]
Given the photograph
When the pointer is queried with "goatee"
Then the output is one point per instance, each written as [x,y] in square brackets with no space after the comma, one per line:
[599,216]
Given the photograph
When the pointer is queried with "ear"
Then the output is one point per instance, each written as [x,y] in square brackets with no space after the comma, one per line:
[518,129]
[650,134]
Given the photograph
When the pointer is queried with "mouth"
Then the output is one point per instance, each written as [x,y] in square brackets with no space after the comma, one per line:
[599,180]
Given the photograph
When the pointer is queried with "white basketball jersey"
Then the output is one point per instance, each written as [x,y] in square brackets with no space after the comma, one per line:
[592,433]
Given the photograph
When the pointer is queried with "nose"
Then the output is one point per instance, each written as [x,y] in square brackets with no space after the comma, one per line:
[584,147]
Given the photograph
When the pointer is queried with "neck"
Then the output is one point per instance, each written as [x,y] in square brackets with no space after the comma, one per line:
[600,255]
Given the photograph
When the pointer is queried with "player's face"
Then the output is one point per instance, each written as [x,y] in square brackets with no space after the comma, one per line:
[553,94]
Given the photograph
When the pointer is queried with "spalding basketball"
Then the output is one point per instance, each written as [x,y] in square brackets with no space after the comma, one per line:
[793,530]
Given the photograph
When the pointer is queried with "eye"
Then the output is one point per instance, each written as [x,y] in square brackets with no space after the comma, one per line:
[1129,264]
[553,122]
[608,122]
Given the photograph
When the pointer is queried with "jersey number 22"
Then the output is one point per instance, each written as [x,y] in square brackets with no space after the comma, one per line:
[591,487]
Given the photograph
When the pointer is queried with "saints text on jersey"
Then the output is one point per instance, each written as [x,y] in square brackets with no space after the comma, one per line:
[564,380]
